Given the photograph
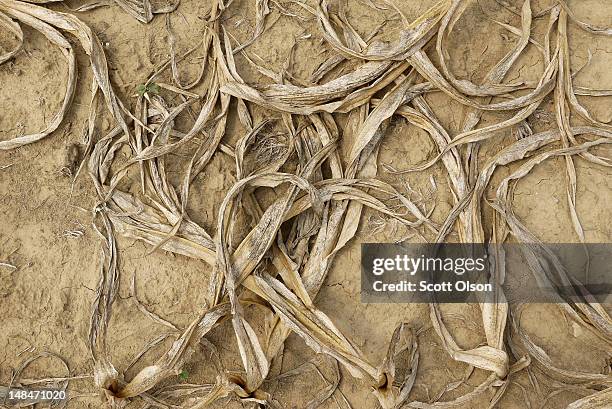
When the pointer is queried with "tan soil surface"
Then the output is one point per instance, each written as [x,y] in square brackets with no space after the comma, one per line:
[45,222]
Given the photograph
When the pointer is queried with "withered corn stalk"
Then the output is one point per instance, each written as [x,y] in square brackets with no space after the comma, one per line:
[285,271]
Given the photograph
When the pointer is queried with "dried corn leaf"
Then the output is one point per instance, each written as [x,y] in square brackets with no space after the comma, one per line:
[412,38]
[14,28]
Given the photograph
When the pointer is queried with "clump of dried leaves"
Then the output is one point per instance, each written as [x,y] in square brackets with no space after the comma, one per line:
[323,195]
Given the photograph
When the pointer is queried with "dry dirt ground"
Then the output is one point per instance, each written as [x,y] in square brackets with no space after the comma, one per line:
[45,221]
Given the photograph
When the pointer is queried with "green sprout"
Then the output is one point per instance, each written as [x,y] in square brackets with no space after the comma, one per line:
[183,375]
[150,88]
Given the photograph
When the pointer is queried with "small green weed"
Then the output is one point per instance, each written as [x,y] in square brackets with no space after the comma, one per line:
[150,88]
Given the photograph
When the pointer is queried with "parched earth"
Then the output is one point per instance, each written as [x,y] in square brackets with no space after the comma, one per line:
[50,247]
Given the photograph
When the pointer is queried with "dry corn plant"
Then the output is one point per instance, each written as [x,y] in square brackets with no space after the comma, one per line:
[323,196]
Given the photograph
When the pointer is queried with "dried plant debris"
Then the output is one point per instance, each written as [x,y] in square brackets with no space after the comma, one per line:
[282,257]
